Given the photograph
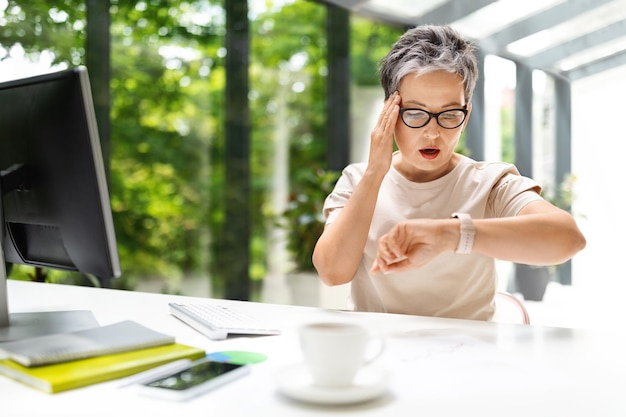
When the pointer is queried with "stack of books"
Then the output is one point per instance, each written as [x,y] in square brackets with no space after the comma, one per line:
[64,361]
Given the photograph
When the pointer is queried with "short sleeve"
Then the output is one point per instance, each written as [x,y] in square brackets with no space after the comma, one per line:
[512,193]
[344,187]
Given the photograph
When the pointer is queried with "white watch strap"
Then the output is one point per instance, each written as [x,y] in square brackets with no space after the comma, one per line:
[466,239]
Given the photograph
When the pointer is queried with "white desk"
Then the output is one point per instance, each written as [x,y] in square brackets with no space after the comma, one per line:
[440,367]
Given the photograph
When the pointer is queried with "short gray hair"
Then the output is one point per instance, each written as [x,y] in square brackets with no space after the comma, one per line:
[426,49]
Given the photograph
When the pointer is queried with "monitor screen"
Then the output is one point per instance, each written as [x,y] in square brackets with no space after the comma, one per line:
[55,207]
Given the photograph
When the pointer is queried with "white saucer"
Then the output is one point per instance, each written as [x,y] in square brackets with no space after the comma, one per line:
[295,382]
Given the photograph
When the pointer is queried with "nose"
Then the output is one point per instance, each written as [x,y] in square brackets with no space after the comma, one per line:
[431,129]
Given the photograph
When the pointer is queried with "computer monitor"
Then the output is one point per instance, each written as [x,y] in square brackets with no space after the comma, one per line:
[55,210]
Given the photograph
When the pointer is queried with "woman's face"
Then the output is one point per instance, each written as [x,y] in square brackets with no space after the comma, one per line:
[427,153]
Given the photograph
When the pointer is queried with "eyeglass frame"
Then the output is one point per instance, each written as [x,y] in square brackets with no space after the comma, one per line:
[435,115]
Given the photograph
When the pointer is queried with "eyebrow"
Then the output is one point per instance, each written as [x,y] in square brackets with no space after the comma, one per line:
[420,104]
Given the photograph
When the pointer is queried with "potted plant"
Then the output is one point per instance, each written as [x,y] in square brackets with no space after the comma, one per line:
[303,222]
[532,280]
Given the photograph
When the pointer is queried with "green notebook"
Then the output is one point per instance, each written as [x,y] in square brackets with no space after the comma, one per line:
[69,375]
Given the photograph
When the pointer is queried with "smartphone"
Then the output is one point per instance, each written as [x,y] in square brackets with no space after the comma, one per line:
[198,378]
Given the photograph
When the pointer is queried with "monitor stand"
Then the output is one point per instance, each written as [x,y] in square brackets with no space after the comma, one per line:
[25,325]
[18,326]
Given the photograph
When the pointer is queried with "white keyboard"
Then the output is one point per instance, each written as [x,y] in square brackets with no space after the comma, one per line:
[217,322]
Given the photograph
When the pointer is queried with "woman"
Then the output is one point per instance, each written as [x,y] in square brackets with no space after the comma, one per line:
[417,231]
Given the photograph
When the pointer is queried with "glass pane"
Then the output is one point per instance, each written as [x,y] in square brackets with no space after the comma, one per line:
[166,111]
[288,108]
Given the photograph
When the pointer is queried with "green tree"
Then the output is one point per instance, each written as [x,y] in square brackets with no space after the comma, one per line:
[288,81]
[167,86]
[166,106]
[370,42]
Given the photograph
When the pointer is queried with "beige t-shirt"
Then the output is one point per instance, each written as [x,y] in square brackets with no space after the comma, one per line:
[451,285]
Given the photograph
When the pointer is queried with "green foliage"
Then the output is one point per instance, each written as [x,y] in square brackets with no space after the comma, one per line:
[166,90]
[165,120]
[303,219]
[370,42]
[288,82]
[167,142]
[563,195]
[39,26]
[508,134]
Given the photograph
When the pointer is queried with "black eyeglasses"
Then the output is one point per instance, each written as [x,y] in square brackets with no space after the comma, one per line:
[449,119]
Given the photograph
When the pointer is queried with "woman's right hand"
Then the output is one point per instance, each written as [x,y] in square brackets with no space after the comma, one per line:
[381,138]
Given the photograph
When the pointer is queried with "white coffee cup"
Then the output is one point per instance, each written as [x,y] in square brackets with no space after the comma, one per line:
[334,352]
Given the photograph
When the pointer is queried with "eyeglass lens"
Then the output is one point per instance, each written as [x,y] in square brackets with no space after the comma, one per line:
[418,118]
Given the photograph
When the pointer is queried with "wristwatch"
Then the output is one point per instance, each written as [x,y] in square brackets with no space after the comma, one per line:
[466,239]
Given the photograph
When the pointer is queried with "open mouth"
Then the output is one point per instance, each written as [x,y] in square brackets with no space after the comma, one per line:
[429,153]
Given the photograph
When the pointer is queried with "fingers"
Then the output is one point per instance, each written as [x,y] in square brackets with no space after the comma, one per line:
[381,140]
[388,115]
[409,245]
[389,253]
[401,263]
[392,116]
[391,102]
[391,111]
